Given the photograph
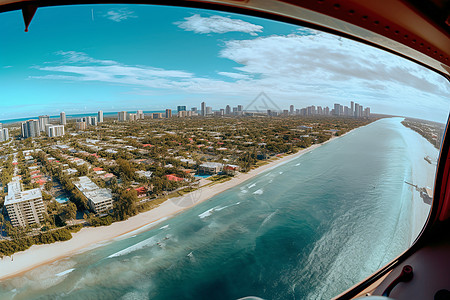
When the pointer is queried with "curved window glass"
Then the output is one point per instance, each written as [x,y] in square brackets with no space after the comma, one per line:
[178,153]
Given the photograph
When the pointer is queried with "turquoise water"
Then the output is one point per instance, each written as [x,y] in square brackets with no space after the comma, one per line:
[62,199]
[308,229]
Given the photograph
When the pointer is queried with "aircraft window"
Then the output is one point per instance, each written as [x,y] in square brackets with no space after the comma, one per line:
[187,153]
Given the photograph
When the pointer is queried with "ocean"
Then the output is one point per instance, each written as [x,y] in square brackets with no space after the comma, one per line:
[308,229]
[74,116]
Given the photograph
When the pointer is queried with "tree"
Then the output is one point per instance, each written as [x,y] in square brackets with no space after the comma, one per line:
[125,207]
[48,185]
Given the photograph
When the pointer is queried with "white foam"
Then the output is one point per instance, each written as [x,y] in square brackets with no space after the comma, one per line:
[258,192]
[251,185]
[298,164]
[280,173]
[220,208]
[148,242]
[143,228]
[206,213]
[64,272]
[244,191]
[164,227]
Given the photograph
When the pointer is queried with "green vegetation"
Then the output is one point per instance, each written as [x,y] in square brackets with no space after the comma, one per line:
[9,247]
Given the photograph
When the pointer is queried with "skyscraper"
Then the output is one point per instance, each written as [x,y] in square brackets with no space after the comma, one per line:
[203,109]
[240,108]
[352,108]
[181,108]
[30,128]
[357,110]
[208,111]
[100,116]
[62,116]
[4,133]
[122,116]
[140,115]
[43,120]
[291,109]
[168,113]
[337,109]
[228,110]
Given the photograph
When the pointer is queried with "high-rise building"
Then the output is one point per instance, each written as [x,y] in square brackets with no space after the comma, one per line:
[100,116]
[30,128]
[194,109]
[157,115]
[357,115]
[122,116]
[62,117]
[132,117]
[319,110]
[291,109]
[80,125]
[203,109]
[222,111]
[367,112]
[24,207]
[4,134]
[54,130]
[337,109]
[181,108]
[240,108]
[209,110]
[168,113]
[140,115]
[228,110]
[43,120]
[352,108]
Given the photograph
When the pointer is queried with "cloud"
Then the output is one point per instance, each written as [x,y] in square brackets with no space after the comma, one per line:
[119,15]
[317,69]
[217,24]
[234,75]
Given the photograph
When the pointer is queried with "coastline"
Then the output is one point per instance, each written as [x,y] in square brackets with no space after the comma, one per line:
[88,238]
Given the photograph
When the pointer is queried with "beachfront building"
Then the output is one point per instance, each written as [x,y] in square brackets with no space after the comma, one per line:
[24,207]
[231,169]
[210,168]
[99,200]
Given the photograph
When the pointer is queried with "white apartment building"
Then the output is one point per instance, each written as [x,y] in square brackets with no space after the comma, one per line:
[23,207]
[99,200]
[54,130]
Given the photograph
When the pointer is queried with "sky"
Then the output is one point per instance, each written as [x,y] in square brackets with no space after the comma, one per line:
[85,58]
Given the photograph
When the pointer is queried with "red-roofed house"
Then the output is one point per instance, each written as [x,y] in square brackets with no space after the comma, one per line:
[173,177]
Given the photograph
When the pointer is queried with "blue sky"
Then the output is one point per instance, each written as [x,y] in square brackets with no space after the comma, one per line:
[85,58]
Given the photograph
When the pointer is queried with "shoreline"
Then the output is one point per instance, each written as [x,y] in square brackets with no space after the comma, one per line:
[92,237]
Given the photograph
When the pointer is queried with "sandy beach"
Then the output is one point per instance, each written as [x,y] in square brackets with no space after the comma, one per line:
[90,237]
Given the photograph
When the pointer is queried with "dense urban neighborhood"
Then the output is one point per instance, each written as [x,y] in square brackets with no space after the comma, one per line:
[59,175]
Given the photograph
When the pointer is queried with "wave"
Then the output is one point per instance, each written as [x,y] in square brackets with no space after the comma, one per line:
[298,164]
[64,272]
[258,192]
[164,227]
[145,243]
[216,208]
[252,185]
